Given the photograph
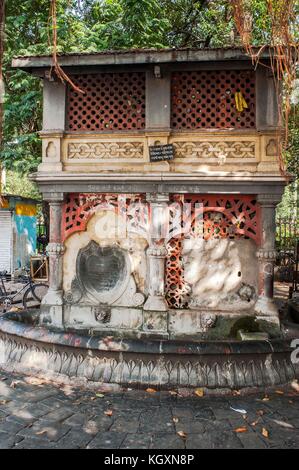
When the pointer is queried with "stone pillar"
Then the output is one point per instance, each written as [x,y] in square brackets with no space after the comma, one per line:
[266,254]
[158,98]
[52,304]
[156,254]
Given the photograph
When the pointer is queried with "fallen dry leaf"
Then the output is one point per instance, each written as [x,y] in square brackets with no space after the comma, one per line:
[236,392]
[265,432]
[283,424]
[295,385]
[77,402]
[93,398]
[108,413]
[260,412]
[266,398]
[40,433]
[199,392]
[279,392]
[173,393]
[14,383]
[15,309]
[3,402]
[291,402]
[150,390]
[255,422]
[175,419]
[67,390]
[241,429]
[182,434]
[239,410]
[100,395]
[35,381]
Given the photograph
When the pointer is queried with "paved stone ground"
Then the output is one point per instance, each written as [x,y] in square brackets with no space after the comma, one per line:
[37,414]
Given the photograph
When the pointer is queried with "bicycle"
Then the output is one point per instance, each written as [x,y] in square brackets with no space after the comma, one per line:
[33,293]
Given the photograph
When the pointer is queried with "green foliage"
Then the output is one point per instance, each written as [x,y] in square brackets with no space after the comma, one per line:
[88,25]
[290,203]
[18,183]
[27,34]
[95,25]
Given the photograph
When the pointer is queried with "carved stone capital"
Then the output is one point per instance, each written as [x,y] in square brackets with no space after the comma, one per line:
[157,197]
[157,251]
[269,200]
[55,249]
[266,255]
[52,134]
[53,198]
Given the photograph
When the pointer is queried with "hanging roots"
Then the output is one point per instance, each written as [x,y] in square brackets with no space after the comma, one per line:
[243,20]
[56,67]
[283,49]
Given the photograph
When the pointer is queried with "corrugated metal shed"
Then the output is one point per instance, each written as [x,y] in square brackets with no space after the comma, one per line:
[17,231]
[5,240]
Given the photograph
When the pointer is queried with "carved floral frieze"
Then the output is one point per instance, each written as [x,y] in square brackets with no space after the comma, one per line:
[215,149]
[167,370]
[114,150]
[105,150]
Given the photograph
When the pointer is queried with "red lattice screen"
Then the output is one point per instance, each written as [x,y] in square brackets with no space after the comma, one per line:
[79,208]
[176,289]
[212,216]
[206,99]
[112,101]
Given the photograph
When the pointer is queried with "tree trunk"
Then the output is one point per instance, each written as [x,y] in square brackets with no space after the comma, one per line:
[2,25]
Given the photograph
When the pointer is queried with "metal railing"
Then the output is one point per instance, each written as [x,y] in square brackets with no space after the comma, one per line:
[287,239]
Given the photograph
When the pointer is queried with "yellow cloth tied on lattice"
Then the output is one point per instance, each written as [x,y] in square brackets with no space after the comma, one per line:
[240,102]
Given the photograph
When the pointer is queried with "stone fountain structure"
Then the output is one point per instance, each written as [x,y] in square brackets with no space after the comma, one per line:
[162,194]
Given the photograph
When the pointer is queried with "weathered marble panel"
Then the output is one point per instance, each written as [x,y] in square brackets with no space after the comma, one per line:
[222,273]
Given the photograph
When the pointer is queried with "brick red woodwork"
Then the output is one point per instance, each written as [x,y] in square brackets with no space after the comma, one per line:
[112,101]
[205,99]
[79,208]
[176,289]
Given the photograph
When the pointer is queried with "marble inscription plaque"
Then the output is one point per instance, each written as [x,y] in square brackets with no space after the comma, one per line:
[100,269]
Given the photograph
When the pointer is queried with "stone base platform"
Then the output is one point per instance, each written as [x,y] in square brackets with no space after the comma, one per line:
[164,364]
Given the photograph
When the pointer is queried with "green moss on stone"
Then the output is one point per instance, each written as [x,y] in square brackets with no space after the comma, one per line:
[227,328]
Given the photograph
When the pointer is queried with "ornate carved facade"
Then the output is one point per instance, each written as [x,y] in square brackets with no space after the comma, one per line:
[183,238]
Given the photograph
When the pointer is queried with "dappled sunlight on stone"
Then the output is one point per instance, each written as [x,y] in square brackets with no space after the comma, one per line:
[217,268]
[91,427]
[35,360]
[5,390]
[20,413]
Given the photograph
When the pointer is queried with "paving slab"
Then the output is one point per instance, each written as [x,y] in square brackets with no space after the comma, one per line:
[52,416]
